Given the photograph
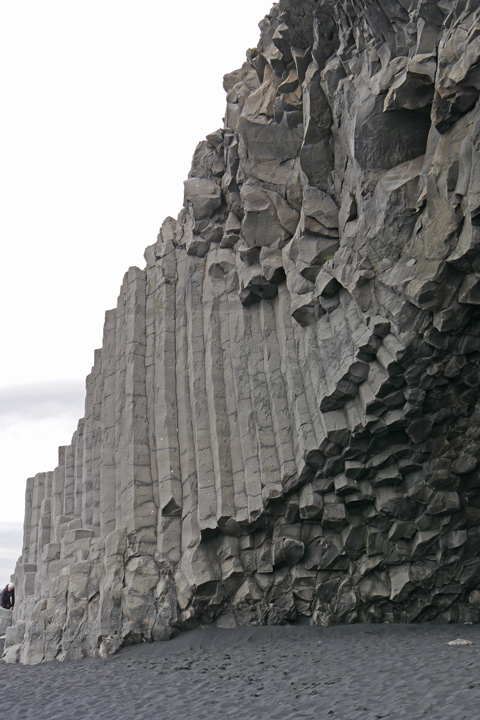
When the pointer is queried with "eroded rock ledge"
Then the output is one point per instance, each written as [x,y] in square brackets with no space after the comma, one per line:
[282,424]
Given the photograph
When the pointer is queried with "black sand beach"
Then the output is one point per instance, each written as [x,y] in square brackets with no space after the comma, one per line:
[350,672]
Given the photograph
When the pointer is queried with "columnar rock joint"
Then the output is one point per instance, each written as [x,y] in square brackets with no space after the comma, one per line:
[282,423]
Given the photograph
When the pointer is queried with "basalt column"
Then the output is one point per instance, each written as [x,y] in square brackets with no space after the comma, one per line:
[283,422]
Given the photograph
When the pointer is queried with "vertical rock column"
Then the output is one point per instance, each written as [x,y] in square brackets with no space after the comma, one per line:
[97,438]
[27,523]
[45,522]
[135,500]
[188,468]
[162,393]
[45,537]
[69,495]
[37,497]
[237,479]
[37,507]
[240,338]
[87,478]
[77,442]
[214,316]
[58,489]
[269,468]
[207,500]
[108,477]
[277,393]
[306,433]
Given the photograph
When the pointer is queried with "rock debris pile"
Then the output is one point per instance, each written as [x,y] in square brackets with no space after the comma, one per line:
[283,423]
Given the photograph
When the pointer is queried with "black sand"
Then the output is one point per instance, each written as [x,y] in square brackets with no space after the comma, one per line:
[362,672]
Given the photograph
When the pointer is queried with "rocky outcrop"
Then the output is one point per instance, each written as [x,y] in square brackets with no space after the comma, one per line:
[282,424]
[5,620]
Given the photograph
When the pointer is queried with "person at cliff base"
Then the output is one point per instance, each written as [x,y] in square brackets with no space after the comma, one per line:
[7,596]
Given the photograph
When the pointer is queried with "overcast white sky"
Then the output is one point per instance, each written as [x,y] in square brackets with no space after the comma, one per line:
[103,104]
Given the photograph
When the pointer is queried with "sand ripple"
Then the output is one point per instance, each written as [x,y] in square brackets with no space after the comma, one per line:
[365,672]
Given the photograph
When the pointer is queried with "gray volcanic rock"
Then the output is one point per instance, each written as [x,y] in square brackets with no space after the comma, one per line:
[5,620]
[283,422]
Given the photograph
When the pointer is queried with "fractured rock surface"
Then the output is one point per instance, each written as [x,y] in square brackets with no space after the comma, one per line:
[282,424]
[5,620]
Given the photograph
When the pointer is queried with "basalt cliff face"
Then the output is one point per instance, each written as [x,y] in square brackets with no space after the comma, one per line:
[282,424]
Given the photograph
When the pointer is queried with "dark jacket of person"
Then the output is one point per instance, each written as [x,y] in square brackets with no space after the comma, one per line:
[7,598]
